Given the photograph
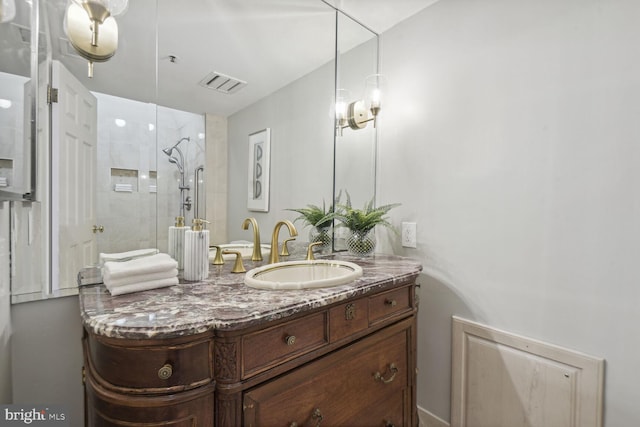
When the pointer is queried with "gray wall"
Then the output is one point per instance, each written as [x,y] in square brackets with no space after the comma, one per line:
[47,355]
[511,137]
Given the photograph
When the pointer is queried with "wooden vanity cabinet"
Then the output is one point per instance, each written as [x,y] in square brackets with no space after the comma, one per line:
[351,363]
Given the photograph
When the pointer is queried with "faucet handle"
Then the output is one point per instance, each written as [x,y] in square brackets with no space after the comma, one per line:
[238,267]
[218,260]
[310,256]
[285,249]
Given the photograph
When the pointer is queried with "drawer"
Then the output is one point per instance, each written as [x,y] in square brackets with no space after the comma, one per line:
[390,411]
[151,368]
[347,319]
[186,409]
[264,349]
[336,388]
[388,304]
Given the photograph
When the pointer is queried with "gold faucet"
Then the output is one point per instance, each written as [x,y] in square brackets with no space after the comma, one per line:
[257,252]
[273,257]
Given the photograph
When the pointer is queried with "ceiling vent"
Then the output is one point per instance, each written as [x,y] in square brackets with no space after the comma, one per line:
[222,83]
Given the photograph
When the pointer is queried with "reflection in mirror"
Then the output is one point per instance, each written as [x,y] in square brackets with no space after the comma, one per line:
[355,149]
[149,97]
[23,65]
[301,118]
[15,102]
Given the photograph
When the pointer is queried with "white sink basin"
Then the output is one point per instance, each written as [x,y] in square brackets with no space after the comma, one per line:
[318,273]
[246,249]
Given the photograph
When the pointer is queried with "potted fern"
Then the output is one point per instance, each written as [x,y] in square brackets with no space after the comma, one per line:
[320,220]
[361,223]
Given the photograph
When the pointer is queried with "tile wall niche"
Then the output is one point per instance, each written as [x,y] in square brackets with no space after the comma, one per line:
[138,195]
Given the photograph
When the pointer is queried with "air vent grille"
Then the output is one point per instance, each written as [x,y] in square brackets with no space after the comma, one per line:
[222,83]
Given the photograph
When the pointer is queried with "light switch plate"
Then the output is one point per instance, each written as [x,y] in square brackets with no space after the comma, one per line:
[409,234]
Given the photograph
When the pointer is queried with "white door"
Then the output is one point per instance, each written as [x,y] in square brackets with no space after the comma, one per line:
[74,156]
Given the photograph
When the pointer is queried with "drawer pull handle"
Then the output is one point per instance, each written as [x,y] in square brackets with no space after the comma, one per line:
[393,369]
[290,339]
[391,302]
[165,372]
[316,415]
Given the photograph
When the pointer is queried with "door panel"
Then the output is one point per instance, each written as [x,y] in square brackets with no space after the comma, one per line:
[74,128]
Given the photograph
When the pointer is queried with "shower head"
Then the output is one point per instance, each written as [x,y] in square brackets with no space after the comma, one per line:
[177,163]
[173,159]
[168,151]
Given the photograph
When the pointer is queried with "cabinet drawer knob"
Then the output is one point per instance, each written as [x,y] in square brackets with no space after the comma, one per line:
[165,372]
[391,302]
[290,339]
[316,415]
[393,370]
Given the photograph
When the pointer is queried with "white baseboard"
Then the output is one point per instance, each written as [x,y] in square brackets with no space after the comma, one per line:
[427,419]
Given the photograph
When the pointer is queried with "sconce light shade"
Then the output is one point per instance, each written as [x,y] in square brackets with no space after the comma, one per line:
[97,8]
[375,87]
[7,10]
[342,100]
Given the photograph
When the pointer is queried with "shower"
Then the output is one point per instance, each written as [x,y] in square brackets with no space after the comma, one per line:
[185,203]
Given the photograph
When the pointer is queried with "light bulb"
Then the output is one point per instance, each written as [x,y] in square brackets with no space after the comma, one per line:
[374,88]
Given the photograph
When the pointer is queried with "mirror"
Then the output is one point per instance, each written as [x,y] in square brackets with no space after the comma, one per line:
[155,86]
[355,149]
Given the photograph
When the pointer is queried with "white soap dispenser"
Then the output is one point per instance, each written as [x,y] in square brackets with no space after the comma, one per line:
[176,241]
[196,251]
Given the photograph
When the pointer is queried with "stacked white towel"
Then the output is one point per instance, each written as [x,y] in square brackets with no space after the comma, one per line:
[140,274]
[127,256]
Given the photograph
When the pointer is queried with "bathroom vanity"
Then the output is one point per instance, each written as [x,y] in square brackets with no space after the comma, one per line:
[218,353]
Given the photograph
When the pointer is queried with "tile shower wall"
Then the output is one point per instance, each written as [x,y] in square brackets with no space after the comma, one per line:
[128,154]
[172,126]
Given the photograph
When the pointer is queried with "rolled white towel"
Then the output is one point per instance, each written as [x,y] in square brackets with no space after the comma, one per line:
[145,265]
[137,278]
[143,286]
[127,256]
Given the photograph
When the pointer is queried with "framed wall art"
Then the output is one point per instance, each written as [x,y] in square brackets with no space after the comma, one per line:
[259,159]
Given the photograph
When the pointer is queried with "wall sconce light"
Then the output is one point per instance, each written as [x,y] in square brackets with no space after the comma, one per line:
[356,114]
[7,10]
[374,88]
[92,28]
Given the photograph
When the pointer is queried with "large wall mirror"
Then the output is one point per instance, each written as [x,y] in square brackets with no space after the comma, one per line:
[156,138]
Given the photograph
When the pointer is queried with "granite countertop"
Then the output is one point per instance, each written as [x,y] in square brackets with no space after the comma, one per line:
[224,302]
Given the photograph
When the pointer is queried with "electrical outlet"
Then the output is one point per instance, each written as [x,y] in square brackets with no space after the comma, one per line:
[409,234]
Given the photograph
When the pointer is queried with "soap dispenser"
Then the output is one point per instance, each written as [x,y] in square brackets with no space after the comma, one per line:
[176,241]
[196,251]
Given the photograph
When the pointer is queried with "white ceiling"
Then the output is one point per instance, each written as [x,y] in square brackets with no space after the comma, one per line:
[267,43]
[381,15]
